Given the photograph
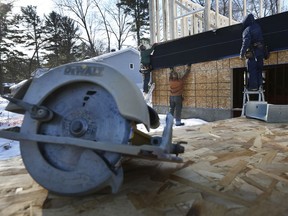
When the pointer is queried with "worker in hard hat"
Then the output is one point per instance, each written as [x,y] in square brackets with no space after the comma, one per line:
[176,83]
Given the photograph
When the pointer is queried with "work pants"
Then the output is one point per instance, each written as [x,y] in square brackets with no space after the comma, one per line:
[176,107]
[255,68]
[146,80]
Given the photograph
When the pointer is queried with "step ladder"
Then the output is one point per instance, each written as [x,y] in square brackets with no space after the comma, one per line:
[246,97]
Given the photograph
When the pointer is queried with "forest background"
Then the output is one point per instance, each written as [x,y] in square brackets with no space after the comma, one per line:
[78,29]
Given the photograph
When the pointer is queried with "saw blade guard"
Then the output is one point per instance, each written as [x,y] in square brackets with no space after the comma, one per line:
[126,94]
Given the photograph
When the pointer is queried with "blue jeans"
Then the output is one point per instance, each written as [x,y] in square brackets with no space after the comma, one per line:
[146,80]
[255,68]
[176,107]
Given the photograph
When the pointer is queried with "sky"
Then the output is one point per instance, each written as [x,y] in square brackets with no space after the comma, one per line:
[43,6]
[46,6]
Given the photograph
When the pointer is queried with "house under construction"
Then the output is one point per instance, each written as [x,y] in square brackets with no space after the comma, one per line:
[186,32]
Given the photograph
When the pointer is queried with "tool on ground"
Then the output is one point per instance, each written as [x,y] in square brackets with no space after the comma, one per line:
[80,121]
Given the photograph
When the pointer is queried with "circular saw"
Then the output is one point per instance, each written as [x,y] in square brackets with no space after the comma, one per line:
[80,120]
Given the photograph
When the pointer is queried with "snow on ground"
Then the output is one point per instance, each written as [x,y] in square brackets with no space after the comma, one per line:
[187,122]
[10,148]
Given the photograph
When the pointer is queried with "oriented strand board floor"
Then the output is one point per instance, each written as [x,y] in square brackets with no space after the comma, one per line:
[231,167]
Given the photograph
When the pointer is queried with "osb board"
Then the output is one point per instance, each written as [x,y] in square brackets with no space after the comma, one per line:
[273,58]
[236,62]
[205,65]
[19,194]
[217,73]
[198,86]
[231,167]
[282,57]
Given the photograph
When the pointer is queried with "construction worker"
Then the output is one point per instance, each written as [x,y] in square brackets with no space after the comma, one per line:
[145,67]
[176,82]
[253,50]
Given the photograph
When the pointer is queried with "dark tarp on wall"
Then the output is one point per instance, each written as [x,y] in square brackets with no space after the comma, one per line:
[221,43]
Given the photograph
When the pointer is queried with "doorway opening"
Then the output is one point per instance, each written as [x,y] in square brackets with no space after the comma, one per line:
[275,79]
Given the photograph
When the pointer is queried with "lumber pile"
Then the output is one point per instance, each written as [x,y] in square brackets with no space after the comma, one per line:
[232,167]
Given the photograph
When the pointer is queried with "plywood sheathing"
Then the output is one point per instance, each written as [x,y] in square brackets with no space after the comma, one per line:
[209,85]
[231,167]
[245,164]
[19,194]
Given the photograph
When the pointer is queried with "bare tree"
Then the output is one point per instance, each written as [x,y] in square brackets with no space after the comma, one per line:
[117,23]
[104,21]
[120,25]
[85,17]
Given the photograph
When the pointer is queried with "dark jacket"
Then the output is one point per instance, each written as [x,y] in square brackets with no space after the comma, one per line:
[145,56]
[252,37]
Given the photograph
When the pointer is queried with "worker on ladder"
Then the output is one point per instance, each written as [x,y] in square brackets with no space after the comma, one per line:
[145,66]
[254,51]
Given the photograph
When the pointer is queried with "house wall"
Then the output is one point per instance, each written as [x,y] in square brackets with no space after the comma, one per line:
[122,63]
[208,87]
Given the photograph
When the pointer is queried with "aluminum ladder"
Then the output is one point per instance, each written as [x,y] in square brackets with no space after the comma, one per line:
[246,97]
